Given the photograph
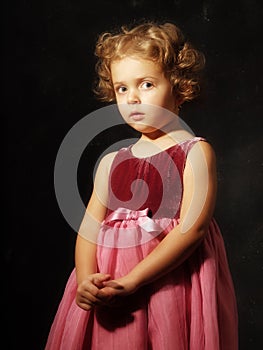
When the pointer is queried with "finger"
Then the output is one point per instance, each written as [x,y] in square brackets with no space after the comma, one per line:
[100,276]
[108,294]
[93,296]
[88,287]
[87,304]
[90,298]
[113,284]
[98,280]
[92,285]
[84,306]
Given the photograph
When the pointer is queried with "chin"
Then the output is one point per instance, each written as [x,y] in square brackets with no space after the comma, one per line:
[145,129]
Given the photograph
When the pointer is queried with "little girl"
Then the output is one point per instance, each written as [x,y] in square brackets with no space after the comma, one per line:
[151,270]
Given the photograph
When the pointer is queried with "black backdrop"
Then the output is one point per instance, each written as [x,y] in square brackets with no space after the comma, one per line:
[47,74]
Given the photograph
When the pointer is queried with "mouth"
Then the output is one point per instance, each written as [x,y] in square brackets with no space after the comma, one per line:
[137,116]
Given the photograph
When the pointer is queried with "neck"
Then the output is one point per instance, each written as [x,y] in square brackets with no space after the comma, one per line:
[174,130]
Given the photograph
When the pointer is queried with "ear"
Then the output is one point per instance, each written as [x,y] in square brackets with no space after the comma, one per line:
[179,100]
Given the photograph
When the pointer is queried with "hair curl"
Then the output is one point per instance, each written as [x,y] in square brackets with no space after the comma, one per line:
[161,43]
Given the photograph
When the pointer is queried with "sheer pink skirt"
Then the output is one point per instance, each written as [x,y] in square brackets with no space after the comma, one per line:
[192,307]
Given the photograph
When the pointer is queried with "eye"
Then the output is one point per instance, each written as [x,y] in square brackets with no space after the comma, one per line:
[121,89]
[146,85]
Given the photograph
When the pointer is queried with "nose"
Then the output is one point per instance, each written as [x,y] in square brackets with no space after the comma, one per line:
[133,97]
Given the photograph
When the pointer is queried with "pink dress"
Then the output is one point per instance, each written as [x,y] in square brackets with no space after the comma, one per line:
[193,307]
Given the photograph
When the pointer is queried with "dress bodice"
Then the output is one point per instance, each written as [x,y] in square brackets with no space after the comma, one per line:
[154,182]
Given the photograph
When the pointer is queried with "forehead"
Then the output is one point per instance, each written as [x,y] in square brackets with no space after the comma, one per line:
[132,67]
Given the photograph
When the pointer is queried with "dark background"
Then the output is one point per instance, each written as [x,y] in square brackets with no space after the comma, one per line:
[47,74]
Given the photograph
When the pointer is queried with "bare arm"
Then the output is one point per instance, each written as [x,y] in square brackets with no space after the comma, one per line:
[88,279]
[196,211]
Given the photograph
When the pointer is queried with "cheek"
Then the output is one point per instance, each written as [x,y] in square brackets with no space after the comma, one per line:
[162,98]
[118,99]
[158,114]
[123,109]
[168,99]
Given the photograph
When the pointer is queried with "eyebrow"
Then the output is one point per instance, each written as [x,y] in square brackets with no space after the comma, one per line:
[137,79]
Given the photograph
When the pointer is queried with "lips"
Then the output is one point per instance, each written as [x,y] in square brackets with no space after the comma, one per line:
[137,116]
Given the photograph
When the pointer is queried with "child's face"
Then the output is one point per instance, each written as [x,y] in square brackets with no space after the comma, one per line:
[143,94]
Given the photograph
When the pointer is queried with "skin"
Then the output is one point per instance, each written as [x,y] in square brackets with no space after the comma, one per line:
[140,85]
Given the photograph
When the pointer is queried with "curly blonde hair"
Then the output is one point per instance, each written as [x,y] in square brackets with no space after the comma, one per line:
[160,43]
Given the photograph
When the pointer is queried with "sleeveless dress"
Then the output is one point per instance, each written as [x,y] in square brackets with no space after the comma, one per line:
[193,307]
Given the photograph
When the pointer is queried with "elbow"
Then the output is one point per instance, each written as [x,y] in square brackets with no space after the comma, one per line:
[198,231]
[201,231]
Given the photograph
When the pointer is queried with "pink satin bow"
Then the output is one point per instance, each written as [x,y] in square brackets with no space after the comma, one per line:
[122,214]
[125,228]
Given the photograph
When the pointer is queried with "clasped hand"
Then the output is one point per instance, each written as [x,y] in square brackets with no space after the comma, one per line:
[99,290]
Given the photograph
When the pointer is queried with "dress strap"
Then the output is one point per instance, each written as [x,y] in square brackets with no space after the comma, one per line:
[188,144]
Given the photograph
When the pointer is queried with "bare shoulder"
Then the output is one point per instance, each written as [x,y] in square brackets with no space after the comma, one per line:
[102,178]
[201,162]
[202,151]
[108,158]
[106,162]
